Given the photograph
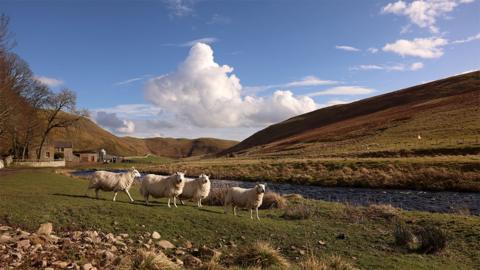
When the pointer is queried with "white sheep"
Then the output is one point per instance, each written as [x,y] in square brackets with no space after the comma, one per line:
[110,181]
[251,198]
[163,186]
[196,189]
[1,164]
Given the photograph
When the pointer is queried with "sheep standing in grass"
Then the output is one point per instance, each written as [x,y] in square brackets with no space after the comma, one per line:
[160,186]
[196,189]
[246,198]
[110,181]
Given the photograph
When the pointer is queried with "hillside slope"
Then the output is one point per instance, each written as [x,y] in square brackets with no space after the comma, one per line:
[444,112]
[85,134]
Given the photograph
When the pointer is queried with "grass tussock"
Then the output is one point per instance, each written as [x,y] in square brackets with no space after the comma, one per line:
[385,211]
[333,262]
[148,260]
[403,236]
[432,239]
[261,255]
[298,211]
[273,200]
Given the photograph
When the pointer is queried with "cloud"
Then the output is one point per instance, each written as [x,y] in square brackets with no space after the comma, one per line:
[347,48]
[307,81]
[468,39]
[343,90]
[219,19]
[113,123]
[372,50]
[133,110]
[205,94]
[419,47]
[416,66]
[395,67]
[206,40]
[50,82]
[423,13]
[129,81]
[180,8]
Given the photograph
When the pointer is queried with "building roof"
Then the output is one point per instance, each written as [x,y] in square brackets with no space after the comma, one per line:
[86,152]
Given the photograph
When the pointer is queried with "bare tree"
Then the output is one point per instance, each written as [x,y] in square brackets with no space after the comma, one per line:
[60,112]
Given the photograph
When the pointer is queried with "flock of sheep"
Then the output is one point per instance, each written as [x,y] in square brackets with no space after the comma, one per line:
[176,186]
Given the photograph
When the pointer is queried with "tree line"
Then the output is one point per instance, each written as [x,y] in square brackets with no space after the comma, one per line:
[29,109]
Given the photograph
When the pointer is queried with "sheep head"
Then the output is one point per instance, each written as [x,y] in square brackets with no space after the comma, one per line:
[134,172]
[180,177]
[204,178]
[260,188]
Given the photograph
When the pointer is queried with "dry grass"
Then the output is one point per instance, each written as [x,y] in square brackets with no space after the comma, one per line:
[262,255]
[385,211]
[273,200]
[333,262]
[403,236]
[298,211]
[432,239]
[147,260]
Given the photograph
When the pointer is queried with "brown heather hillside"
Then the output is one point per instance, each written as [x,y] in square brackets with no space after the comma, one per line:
[445,113]
[86,135]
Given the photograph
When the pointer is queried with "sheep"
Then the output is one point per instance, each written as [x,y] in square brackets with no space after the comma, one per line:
[110,181]
[245,198]
[197,189]
[163,186]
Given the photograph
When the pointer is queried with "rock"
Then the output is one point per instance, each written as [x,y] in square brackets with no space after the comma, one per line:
[60,264]
[165,244]
[76,235]
[23,244]
[45,229]
[192,261]
[188,245]
[147,246]
[87,266]
[5,228]
[108,256]
[124,235]
[301,251]
[49,268]
[17,255]
[209,253]
[179,252]
[155,235]
[5,238]
[322,243]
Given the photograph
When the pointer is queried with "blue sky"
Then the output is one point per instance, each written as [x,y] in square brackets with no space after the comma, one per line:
[135,65]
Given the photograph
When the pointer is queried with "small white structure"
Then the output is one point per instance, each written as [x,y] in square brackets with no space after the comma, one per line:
[251,198]
[163,186]
[1,164]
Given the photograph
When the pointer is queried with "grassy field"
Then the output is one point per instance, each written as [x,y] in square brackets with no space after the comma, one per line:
[30,197]
[460,173]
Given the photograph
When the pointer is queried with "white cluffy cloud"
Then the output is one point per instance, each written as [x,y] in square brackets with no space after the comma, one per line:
[347,48]
[50,82]
[206,94]
[396,67]
[423,13]
[420,47]
[113,123]
[343,90]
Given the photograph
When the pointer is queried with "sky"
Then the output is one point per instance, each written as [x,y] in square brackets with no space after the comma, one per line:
[226,69]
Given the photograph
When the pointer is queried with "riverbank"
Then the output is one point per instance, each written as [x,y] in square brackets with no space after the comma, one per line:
[437,173]
[362,236]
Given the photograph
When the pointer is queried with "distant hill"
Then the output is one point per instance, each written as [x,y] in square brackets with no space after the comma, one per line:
[436,114]
[86,135]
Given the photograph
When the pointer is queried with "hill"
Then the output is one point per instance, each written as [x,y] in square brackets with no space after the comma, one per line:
[439,114]
[85,134]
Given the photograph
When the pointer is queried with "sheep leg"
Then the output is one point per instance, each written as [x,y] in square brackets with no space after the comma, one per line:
[225,208]
[115,196]
[181,201]
[234,210]
[251,213]
[168,202]
[96,193]
[128,193]
[199,203]
[175,201]
[256,209]
[146,199]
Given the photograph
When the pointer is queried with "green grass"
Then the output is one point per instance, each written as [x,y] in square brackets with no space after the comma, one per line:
[30,197]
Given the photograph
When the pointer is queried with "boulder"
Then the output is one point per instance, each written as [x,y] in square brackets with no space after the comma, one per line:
[165,244]
[45,229]
[155,235]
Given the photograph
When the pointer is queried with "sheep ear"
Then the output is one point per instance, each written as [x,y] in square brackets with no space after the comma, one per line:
[185,172]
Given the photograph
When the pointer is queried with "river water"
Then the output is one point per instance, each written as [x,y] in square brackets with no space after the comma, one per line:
[431,201]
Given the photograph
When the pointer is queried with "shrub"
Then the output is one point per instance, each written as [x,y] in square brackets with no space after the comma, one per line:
[273,200]
[298,211]
[432,239]
[403,236]
[263,255]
